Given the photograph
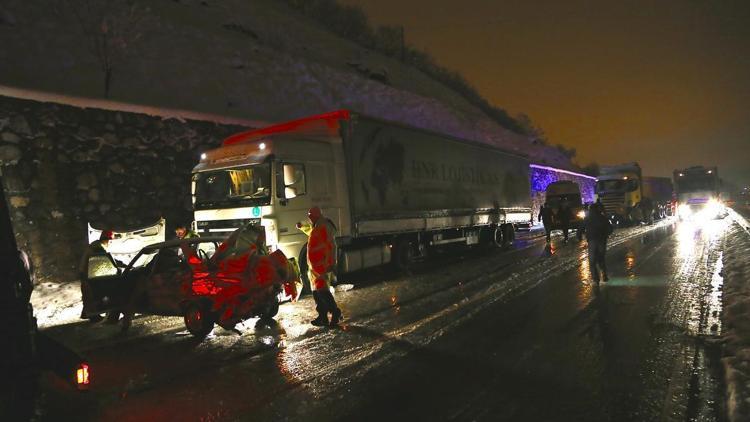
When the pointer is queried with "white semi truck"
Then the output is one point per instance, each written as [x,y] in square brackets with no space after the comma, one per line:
[393,192]
[698,192]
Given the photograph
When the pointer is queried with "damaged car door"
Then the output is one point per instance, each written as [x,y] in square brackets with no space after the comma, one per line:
[105,285]
[166,283]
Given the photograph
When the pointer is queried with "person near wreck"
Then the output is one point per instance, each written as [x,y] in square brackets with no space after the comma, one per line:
[182,232]
[321,265]
[97,248]
[598,228]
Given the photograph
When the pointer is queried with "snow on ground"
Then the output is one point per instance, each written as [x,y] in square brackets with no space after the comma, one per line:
[56,303]
[736,321]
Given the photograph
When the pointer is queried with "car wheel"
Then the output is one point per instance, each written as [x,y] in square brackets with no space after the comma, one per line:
[199,321]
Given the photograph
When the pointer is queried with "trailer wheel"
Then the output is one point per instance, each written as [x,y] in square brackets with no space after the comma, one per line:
[199,321]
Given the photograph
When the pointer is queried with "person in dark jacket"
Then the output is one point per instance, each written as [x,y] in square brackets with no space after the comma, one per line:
[598,229]
[545,216]
[97,248]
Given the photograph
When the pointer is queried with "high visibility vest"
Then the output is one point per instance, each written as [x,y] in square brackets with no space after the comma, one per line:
[321,252]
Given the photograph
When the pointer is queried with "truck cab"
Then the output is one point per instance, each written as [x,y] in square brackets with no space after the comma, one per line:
[698,193]
[271,182]
[618,188]
[566,193]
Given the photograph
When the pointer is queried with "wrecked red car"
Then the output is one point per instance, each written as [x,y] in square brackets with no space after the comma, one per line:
[207,281]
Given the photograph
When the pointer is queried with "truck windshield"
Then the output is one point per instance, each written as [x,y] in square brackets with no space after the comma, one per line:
[692,184]
[233,187]
[616,185]
[570,200]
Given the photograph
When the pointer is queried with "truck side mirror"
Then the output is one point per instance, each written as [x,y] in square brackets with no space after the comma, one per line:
[289,176]
[294,180]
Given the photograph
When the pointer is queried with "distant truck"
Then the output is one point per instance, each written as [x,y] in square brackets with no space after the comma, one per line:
[698,191]
[568,193]
[630,197]
[393,191]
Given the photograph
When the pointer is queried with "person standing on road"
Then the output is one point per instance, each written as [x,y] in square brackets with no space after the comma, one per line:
[97,248]
[545,216]
[321,264]
[598,229]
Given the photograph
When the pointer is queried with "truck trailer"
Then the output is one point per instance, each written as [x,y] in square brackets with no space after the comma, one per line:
[630,197]
[698,192]
[394,192]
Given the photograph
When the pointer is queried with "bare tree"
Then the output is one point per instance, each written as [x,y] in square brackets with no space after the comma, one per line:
[111,29]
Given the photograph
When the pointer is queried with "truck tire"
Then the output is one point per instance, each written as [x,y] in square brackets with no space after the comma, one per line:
[199,321]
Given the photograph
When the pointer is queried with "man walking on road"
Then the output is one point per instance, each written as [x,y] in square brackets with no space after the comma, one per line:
[598,229]
[545,216]
[321,264]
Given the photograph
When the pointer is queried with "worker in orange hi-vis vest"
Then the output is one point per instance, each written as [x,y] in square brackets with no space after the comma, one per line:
[321,265]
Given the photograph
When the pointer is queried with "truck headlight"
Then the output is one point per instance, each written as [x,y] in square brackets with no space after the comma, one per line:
[684,210]
[713,207]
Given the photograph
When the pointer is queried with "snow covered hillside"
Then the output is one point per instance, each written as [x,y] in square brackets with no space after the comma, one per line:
[255,60]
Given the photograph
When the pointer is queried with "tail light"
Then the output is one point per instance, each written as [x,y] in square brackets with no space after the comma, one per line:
[83,377]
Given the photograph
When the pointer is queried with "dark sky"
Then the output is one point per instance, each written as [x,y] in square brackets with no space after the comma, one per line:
[665,83]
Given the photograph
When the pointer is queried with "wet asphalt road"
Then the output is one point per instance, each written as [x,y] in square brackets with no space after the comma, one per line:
[487,335]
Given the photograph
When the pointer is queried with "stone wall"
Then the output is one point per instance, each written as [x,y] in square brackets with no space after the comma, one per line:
[65,166]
